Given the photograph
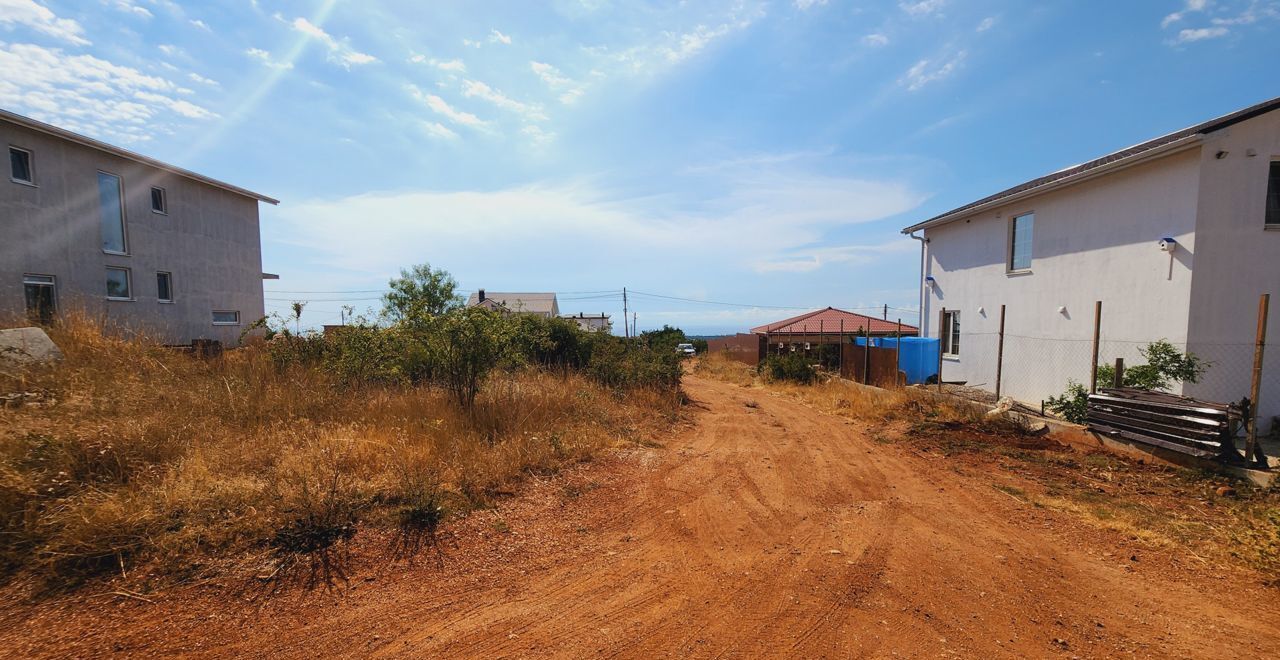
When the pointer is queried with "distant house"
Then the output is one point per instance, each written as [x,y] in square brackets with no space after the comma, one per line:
[538,304]
[827,326]
[93,227]
[591,322]
[1177,236]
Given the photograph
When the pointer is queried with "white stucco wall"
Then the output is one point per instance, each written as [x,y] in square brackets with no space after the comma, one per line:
[1096,240]
[1238,259]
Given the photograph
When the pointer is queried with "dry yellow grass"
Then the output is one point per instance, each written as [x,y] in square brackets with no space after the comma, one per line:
[143,457]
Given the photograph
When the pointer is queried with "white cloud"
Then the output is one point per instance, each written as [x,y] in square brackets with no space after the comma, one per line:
[266,58]
[442,108]
[90,95]
[340,52]
[570,90]
[37,17]
[922,7]
[496,37]
[476,89]
[875,40]
[438,130]
[1199,34]
[1190,7]
[987,23]
[170,49]
[926,71]
[201,25]
[804,5]
[195,77]
[452,66]
[131,7]
[508,231]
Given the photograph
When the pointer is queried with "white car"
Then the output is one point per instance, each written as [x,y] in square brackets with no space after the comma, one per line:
[686,349]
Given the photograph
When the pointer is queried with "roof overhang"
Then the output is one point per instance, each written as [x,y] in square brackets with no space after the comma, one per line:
[1176,146]
[62,133]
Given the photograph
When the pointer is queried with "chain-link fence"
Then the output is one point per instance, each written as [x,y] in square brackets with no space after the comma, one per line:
[1032,367]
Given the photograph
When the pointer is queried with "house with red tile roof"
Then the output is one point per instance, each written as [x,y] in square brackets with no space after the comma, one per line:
[828,326]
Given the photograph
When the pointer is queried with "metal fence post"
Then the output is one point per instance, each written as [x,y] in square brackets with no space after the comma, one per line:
[1093,362]
[1117,380]
[1000,355]
[866,356]
[942,322]
[897,354]
[1255,388]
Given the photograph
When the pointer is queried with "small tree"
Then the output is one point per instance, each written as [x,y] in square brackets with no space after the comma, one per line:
[462,348]
[1165,365]
[297,307]
[421,291]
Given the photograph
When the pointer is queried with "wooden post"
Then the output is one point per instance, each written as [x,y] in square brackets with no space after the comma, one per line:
[1093,362]
[897,354]
[1000,354]
[942,323]
[840,353]
[1255,388]
[1117,381]
[866,356]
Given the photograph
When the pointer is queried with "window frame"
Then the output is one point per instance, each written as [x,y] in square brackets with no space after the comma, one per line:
[226,311]
[31,166]
[164,201]
[168,275]
[949,334]
[128,282]
[1012,236]
[124,215]
[41,280]
[1273,174]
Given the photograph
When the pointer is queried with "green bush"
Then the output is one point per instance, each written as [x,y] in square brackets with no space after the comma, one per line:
[367,353]
[1165,365]
[550,342]
[1072,405]
[792,367]
[622,364]
[461,348]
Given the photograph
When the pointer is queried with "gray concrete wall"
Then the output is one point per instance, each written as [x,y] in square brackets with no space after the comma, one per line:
[209,241]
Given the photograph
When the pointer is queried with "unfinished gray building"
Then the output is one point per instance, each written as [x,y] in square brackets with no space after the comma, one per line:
[89,227]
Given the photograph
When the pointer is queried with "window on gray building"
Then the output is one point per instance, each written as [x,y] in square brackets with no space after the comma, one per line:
[41,298]
[118,285]
[1021,229]
[1273,195]
[111,207]
[20,166]
[159,201]
[226,317]
[951,333]
[164,286]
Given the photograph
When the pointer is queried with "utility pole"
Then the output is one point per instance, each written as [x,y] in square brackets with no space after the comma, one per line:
[626,329]
[635,331]
[886,311]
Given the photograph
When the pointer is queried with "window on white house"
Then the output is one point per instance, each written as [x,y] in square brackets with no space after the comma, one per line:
[159,201]
[1021,229]
[118,285]
[1273,195]
[111,206]
[951,333]
[226,317]
[164,286]
[20,166]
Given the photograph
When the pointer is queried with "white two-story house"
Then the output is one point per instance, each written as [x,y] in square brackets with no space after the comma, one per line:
[1178,237]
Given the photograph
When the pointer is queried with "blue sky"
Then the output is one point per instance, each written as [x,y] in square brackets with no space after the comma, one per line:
[762,153]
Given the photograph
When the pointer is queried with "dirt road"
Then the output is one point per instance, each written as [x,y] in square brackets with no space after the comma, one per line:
[766,528]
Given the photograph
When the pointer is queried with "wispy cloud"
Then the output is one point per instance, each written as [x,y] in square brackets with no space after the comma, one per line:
[268,59]
[476,89]
[200,25]
[922,7]
[37,17]
[439,131]
[986,24]
[929,71]
[340,52]
[804,5]
[496,37]
[569,89]
[131,7]
[805,260]
[442,108]
[1190,35]
[195,77]
[1190,7]
[89,94]
[875,40]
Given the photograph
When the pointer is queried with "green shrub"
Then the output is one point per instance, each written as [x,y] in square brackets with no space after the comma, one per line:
[461,349]
[366,353]
[622,364]
[1165,365]
[550,342]
[1072,405]
[792,367]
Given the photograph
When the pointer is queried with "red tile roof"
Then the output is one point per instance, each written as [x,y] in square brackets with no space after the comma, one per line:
[827,321]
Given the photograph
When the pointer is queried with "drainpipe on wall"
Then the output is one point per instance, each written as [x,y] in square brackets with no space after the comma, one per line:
[924,317]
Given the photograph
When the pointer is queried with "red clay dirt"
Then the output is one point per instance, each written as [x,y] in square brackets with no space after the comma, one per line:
[764,528]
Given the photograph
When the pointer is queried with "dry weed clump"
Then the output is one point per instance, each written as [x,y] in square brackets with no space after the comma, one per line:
[141,460]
